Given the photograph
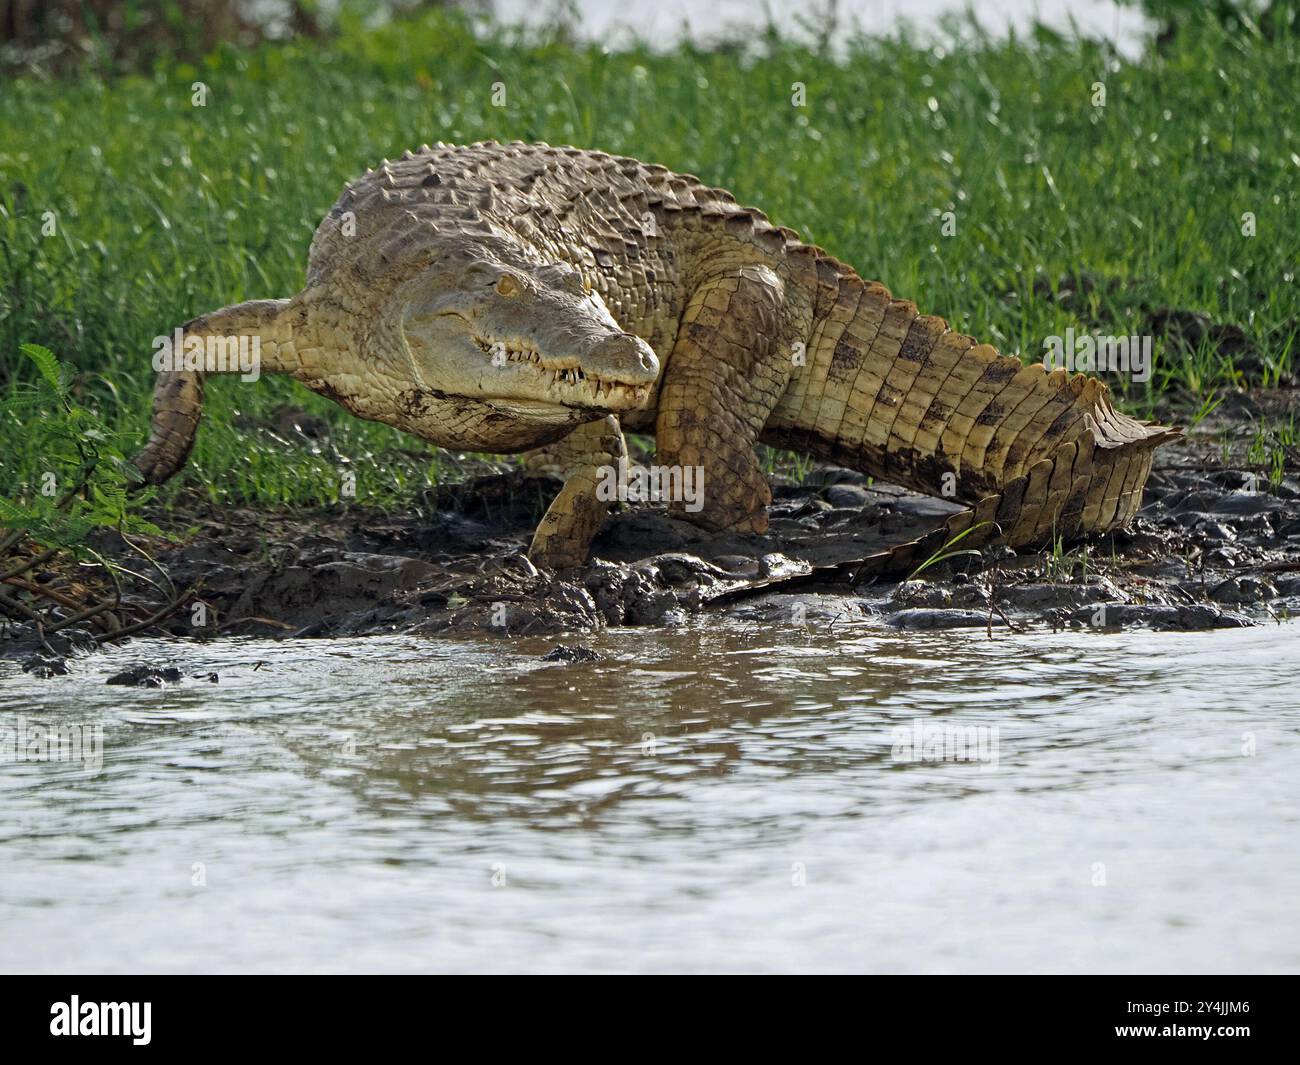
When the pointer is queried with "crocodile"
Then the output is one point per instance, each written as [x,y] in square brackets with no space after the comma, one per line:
[527,298]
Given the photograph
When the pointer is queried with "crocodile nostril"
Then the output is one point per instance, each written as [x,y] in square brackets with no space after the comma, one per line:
[626,356]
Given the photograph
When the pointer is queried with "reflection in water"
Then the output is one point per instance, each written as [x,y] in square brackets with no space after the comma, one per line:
[721,798]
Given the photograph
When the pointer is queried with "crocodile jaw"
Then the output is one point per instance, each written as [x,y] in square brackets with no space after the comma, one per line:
[593,372]
[558,382]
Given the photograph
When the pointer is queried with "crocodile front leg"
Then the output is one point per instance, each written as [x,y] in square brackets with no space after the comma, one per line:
[583,459]
[728,368]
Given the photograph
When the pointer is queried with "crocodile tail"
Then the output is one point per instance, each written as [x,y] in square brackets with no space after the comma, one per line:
[248,338]
[1088,486]
[898,395]
[967,423]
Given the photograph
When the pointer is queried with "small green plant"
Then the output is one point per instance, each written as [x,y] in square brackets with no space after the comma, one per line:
[791,464]
[86,476]
[1207,407]
[1063,565]
[1056,557]
[81,488]
[1272,447]
[945,552]
[1225,447]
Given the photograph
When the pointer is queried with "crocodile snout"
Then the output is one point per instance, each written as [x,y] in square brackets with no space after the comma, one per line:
[622,357]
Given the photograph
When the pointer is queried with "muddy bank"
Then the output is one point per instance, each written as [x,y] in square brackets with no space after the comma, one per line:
[1217,545]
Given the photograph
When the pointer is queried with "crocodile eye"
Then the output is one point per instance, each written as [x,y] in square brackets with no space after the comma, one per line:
[507,286]
[481,274]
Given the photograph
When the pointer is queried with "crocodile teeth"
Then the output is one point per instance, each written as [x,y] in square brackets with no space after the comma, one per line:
[571,377]
[515,355]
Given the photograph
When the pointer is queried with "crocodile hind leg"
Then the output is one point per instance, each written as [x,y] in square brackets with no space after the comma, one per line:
[726,373]
[583,459]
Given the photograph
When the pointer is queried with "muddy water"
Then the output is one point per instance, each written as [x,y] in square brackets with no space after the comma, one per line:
[716,798]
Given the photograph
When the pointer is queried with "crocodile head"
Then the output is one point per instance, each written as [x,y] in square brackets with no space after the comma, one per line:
[488,325]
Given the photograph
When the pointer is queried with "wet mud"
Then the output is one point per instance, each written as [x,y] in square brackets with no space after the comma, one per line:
[1217,545]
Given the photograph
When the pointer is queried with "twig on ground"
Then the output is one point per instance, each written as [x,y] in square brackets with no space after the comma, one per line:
[150,621]
[31,563]
[63,600]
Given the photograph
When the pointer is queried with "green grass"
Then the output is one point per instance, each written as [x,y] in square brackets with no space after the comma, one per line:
[1273,443]
[165,210]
